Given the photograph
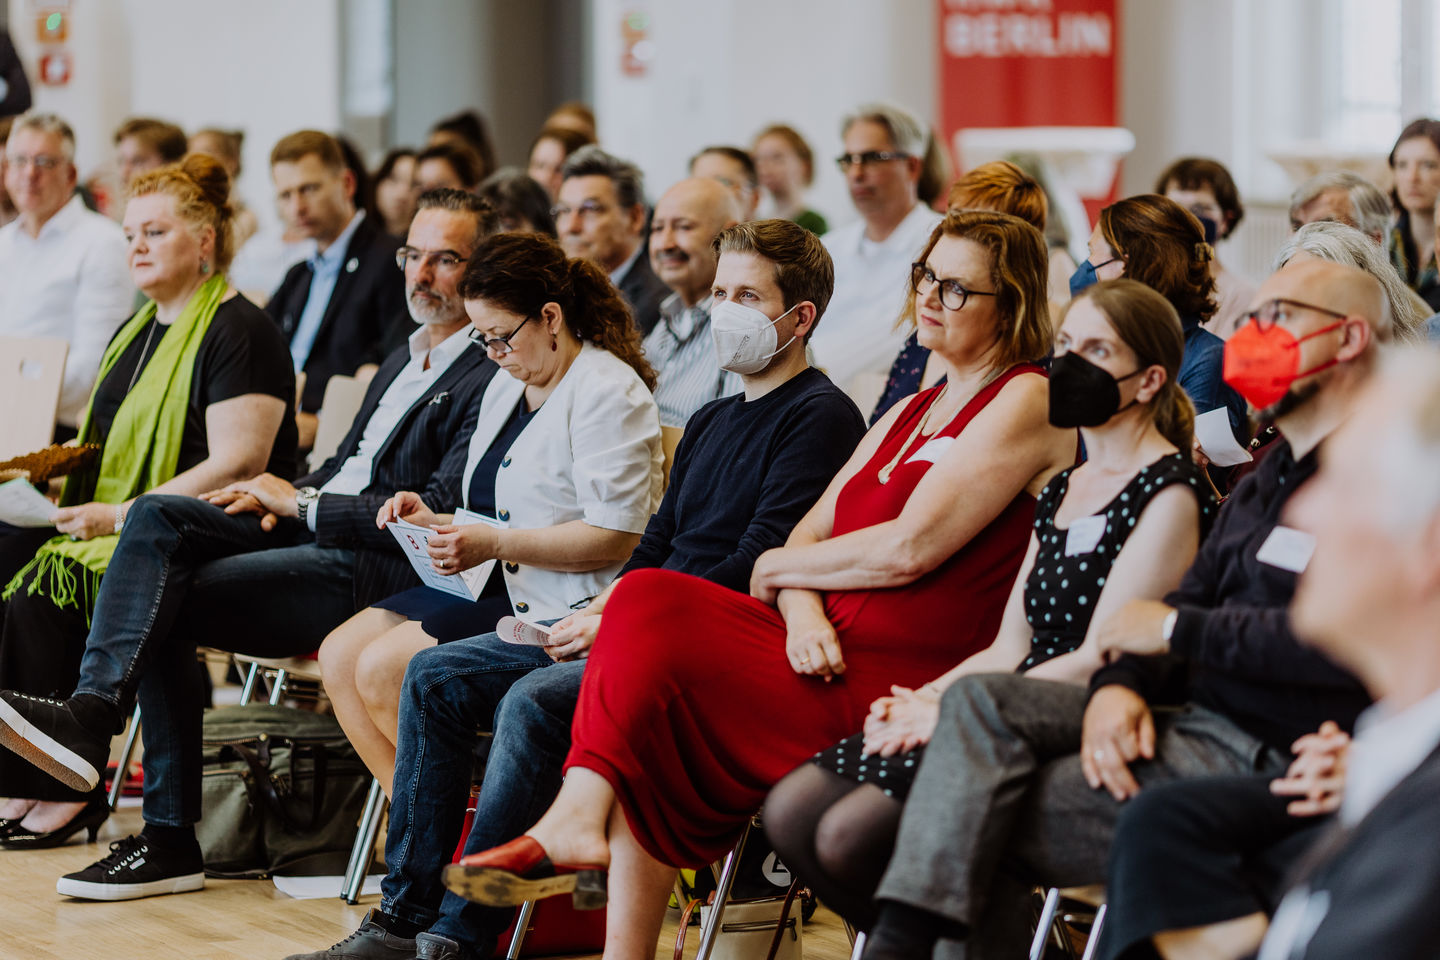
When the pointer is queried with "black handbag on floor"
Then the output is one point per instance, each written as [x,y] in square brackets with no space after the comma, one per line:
[282,792]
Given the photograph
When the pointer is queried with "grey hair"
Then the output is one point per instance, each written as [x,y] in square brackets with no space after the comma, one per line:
[906,132]
[1339,243]
[462,201]
[591,161]
[47,123]
[1370,207]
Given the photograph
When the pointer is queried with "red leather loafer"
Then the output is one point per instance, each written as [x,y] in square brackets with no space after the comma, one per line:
[509,875]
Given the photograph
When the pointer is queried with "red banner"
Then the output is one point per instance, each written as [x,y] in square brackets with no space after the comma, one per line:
[1028,63]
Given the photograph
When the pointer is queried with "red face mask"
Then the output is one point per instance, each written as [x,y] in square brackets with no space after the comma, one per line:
[1262,364]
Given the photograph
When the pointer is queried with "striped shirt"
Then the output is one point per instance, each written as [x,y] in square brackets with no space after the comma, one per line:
[688,375]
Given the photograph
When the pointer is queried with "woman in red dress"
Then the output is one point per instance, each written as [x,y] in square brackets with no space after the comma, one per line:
[697,699]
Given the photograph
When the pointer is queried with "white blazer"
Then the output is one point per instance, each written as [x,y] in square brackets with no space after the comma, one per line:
[592,452]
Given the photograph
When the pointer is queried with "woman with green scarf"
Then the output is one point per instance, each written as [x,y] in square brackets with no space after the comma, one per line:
[195,391]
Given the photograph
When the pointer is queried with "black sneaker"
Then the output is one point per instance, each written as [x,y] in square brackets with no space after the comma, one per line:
[432,946]
[370,942]
[135,868]
[46,733]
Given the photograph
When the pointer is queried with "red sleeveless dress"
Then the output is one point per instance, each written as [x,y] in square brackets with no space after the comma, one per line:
[689,707]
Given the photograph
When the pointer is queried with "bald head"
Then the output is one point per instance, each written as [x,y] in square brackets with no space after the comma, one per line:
[688,218]
[1336,287]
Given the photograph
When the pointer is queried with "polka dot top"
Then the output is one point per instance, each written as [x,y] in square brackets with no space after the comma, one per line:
[1061,591]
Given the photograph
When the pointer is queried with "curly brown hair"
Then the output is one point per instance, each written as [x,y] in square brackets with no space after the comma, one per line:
[521,272]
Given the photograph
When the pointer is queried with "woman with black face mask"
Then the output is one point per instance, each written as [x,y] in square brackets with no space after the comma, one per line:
[1123,525]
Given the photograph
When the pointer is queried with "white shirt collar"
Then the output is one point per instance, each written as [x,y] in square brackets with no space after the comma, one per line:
[443,353]
[1388,747]
[619,272]
[64,220]
[920,217]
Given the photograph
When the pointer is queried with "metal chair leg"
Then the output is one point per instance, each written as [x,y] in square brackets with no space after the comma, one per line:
[859,946]
[1093,943]
[1042,927]
[277,687]
[126,754]
[252,676]
[522,921]
[363,852]
[710,929]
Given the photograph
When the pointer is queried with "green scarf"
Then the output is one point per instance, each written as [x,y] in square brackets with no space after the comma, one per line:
[140,453]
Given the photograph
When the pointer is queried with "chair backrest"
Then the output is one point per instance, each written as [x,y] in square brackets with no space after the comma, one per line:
[669,440]
[338,408]
[32,371]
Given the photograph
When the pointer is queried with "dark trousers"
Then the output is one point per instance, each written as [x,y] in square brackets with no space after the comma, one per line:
[1000,804]
[452,693]
[1198,852]
[187,574]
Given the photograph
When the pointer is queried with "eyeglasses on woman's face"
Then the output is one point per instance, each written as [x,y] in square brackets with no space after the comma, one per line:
[953,294]
[499,346]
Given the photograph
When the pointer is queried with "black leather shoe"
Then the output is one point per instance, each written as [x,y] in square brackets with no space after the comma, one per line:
[95,812]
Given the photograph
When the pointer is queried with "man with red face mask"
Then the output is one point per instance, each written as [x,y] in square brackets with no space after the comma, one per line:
[1024,779]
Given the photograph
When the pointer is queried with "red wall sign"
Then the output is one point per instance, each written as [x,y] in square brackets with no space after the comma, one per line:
[1028,63]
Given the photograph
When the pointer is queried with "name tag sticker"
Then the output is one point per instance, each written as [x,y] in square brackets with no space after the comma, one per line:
[1287,548]
[1084,535]
[933,450]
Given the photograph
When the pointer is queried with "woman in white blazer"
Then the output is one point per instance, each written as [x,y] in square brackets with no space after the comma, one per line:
[565,459]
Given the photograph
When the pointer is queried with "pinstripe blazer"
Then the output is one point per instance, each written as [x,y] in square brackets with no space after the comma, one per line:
[426,452]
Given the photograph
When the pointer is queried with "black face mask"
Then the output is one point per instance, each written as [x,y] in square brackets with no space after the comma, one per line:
[1082,394]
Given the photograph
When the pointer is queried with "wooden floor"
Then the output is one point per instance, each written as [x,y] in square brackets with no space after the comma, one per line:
[228,920]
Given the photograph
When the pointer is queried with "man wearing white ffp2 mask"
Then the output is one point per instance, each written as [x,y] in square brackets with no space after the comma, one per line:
[745,337]
[755,333]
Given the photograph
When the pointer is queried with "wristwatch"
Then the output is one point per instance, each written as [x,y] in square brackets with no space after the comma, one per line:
[305,498]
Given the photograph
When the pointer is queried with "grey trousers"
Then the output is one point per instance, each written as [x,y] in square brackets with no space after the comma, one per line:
[1000,804]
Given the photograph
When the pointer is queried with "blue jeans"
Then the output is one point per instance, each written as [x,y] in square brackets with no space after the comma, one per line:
[452,692]
[186,573]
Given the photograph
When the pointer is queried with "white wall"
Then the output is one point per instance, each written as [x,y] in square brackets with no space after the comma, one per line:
[725,70]
[266,66]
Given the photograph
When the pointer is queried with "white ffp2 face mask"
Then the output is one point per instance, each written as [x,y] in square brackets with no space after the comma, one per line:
[744,337]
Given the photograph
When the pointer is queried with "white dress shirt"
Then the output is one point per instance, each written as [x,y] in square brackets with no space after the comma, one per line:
[404,391]
[591,452]
[687,371]
[71,282]
[857,333]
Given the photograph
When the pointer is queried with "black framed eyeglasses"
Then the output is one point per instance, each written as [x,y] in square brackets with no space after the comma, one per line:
[441,259]
[953,293]
[500,345]
[867,159]
[1272,312]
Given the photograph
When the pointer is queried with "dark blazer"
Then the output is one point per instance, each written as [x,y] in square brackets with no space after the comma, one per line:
[644,292]
[425,452]
[17,89]
[1374,887]
[366,318]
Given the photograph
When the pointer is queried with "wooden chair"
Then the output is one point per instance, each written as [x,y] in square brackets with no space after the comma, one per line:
[338,408]
[669,441]
[32,373]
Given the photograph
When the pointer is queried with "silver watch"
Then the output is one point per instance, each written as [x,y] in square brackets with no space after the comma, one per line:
[305,498]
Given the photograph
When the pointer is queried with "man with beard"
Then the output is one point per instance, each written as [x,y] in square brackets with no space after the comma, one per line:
[1025,779]
[687,220]
[262,567]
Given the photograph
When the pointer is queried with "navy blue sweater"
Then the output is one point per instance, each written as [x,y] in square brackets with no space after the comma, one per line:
[744,475]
